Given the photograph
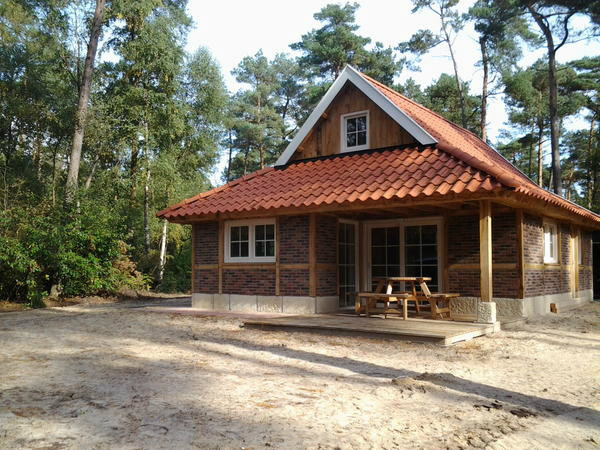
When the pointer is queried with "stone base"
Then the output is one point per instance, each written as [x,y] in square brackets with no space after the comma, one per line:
[265,303]
[466,307]
[486,312]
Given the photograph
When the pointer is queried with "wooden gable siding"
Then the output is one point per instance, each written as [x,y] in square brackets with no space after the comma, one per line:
[324,138]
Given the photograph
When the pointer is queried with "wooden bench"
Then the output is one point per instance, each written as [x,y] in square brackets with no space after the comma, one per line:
[372,298]
[439,303]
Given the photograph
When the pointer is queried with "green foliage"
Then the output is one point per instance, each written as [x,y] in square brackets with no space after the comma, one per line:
[327,50]
[81,252]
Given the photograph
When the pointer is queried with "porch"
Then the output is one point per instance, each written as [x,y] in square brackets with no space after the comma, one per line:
[413,329]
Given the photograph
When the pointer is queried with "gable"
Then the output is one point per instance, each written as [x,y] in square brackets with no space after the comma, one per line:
[325,136]
[373,93]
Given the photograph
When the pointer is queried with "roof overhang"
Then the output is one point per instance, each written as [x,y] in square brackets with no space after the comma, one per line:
[349,74]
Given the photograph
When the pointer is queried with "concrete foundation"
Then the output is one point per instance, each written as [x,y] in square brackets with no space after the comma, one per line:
[486,312]
[465,307]
[265,303]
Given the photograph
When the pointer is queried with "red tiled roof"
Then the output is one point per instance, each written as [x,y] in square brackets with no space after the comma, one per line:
[470,148]
[353,177]
[459,164]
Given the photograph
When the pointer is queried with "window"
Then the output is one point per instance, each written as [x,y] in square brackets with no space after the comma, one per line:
[250,241]
[550,243]
[355,131]
[579,249]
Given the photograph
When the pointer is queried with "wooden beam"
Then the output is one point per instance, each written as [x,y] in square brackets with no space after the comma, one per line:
[277,258]
[485,249]
[520,253]
[193,257]
[312,255]
[445,277]
[221,254]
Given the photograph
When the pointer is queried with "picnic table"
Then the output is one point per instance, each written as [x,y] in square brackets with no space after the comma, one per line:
[440,303]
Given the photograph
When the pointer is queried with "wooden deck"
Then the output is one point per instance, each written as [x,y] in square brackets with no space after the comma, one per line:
[438,331]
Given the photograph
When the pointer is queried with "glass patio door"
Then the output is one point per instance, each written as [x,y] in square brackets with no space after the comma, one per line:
[385,253]
[405,249]
[348,256]
[421,253]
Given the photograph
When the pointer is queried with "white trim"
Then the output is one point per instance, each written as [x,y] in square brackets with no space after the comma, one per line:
[344,131]
[251,239]
[350,74]
[550,259]
[401,223]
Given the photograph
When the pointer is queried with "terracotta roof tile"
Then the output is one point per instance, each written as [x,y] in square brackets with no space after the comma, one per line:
[460,164]
[354,177]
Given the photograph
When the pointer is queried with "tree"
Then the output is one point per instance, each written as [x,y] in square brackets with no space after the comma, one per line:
[84,96]
[327,50]
[451,23]
[554,19]
[500,31]
[528,108]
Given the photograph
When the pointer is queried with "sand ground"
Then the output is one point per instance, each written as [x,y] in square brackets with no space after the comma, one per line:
[114,376]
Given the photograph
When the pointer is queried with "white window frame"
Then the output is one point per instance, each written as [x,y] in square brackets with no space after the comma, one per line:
[402,223]
[343,118]
[550,259]
[251,258]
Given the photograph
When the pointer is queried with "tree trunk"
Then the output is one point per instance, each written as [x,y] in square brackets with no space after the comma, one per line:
[554,129]
[84,97]
[540,162]
[553,94]
[590,164]
[461,96]
[484,90]
[146,215]
[88,182]
[228,173]
[163,252]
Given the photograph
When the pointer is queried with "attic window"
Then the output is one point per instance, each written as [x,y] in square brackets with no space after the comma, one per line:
[355,131]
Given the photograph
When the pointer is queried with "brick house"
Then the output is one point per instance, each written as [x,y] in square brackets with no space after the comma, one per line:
[374,184]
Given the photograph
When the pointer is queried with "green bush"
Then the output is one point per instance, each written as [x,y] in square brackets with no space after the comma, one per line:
[80,251]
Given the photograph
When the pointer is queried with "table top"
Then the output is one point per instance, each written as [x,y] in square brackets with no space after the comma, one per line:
[403,278]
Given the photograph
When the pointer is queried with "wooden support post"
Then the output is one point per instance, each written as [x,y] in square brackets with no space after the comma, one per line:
[445,276]
[193,257]
[485,249]
[277,259]
[312,255]
[221,255]
[520,253]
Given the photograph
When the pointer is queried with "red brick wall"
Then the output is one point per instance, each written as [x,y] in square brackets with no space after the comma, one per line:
[326,249]
[293,282]
[549,281]
[206,243]
[533,240]
[249,281]
[585,271]
[463,240]
[463,248]
[293,235]
[206,252]
[206,281]
[293,240]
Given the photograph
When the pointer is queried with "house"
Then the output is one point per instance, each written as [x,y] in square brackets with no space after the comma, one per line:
[372,185]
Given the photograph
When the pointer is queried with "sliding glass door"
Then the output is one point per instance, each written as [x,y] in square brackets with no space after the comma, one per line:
[407,247]
[347,262]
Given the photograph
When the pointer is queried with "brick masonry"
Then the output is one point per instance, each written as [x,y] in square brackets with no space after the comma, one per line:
[463,248]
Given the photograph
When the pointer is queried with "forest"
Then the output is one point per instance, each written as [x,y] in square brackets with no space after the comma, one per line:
[105,119]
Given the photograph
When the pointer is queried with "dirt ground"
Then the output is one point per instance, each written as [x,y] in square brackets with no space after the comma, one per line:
[113,376]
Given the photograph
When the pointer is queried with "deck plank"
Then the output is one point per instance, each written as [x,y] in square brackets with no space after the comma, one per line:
[444,332]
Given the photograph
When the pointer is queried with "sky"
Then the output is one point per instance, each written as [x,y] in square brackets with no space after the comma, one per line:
[233,29]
